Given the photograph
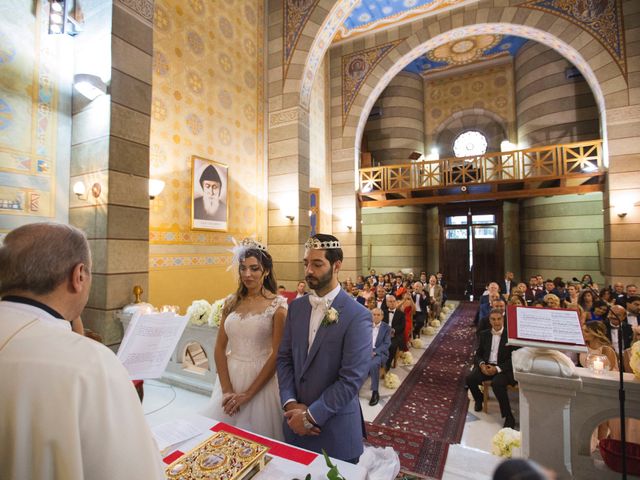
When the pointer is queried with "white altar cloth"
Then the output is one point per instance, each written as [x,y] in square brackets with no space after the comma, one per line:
[279,467]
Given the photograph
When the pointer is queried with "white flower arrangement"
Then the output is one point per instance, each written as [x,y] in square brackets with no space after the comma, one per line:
[391,381]
[330,317]
[417,343]
[216,313]
[430,331]
[199,312]
[445,310]
[634,360]
[442,317]
[450,305]
[406,358]
[435,323]
[505,441]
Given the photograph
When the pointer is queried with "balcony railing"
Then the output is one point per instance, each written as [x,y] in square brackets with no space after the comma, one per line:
[528,165]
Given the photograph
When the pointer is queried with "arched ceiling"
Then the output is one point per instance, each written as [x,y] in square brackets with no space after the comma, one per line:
[465,51]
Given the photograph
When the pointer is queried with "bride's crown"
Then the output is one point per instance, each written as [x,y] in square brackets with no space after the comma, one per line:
[315,244]
[251,243]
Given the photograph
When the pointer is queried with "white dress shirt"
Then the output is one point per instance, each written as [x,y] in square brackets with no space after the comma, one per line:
[614,338]
[318,313]
[495,345]
[632,319]
[376,330]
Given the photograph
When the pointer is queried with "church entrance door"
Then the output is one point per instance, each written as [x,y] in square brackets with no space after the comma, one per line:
[471,248]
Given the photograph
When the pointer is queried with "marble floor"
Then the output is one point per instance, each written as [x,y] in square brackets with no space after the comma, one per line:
[163,403]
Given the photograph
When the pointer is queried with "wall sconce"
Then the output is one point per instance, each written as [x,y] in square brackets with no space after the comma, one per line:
[89,86]
[80,190]
[155,187]
[349,227]
[290,217]
[622,214]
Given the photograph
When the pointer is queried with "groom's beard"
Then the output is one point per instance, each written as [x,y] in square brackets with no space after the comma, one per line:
[211,204]
[316,283]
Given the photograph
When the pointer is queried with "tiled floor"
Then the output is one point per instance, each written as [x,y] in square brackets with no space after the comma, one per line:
[163,403]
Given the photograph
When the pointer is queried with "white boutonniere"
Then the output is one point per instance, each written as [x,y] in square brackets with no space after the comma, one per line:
[330,317]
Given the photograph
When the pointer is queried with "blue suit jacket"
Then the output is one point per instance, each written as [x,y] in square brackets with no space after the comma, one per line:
[383,341]
[328,378]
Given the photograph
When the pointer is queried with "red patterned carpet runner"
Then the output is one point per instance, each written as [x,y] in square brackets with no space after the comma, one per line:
[428,411]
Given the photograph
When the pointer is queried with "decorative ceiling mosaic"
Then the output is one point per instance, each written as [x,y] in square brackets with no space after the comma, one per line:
[601,18]
[376,14]
[356,67]
[296,15]
[465,51]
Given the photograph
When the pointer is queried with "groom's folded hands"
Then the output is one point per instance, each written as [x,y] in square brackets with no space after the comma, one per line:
[296,420]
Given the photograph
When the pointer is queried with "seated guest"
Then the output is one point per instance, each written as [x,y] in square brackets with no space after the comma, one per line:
[549,287]
[595,337]
[598,312]
[633,310]
[300,289]
[585,300]
[68,408]
[396,318]
[606,295]
[359,282]
[517,300]
[421,301]
[435,297]
[619,295]
[551,301]
[632,291]
[493,362]
[560,287]
[492,289]
[423,278]
[281,289]
[572,293]
[381,298]
[616,324]
[381,342]
[496,304]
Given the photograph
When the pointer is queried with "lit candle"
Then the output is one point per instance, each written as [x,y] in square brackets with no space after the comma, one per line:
[598,366]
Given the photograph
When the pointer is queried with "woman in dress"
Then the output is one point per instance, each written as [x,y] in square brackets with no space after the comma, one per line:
[246,391]
[409,308]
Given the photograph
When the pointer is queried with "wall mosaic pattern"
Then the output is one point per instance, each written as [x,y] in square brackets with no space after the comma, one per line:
[601,18]
[207,100]
[29,90]
[295,16]
[356,67]
[489,89]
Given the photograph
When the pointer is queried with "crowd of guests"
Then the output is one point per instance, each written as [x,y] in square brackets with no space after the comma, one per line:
[606,314]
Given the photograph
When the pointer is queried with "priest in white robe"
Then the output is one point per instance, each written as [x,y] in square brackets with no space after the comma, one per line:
[68,409]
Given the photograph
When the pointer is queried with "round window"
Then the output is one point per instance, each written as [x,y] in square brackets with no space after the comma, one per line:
[470,143]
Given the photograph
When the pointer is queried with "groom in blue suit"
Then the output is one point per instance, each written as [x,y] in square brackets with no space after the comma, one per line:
[324,359]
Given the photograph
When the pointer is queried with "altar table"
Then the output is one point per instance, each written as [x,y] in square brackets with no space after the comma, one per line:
[288,462]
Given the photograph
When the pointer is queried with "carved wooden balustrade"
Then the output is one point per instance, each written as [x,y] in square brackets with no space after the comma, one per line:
[513,174]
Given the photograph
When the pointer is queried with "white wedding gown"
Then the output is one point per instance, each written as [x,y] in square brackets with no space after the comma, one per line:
[248,348]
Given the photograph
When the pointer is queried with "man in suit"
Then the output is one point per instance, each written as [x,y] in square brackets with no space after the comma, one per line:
[395,318]
[381,298]
[616,323]
[323,359]
[619,295]
[435,297]
[549,287]
[507,285]
[300,289]
[420,315]
[493,362]
[381,342]
[633,311]
[440,281]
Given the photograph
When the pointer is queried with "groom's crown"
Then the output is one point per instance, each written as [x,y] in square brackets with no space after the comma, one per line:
[315,244]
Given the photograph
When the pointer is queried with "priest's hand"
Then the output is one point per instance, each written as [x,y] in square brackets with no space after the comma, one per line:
[296,423]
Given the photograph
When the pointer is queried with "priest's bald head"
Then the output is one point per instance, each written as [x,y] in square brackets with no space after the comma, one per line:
[49,263]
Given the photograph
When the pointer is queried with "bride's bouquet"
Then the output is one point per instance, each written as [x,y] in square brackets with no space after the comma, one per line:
[199,312]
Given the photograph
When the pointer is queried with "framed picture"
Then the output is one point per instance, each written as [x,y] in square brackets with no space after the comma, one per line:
[209,195]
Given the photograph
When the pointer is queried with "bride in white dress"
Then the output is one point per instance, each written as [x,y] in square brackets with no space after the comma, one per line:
[246,391]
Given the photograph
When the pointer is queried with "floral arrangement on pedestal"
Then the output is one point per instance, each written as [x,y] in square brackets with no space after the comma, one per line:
[406,358]
[199,312]
[391,381]
[505,441]
[216,313]
[634,359]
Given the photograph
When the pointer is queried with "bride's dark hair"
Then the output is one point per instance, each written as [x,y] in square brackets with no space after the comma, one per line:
[269,282]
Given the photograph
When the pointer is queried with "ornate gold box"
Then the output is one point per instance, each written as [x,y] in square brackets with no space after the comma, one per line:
[223,456]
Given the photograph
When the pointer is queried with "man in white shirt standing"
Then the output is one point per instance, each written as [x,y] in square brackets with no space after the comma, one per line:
[493,362]
[68,406]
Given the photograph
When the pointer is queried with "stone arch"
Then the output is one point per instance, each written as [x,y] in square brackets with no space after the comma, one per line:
[436,34]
